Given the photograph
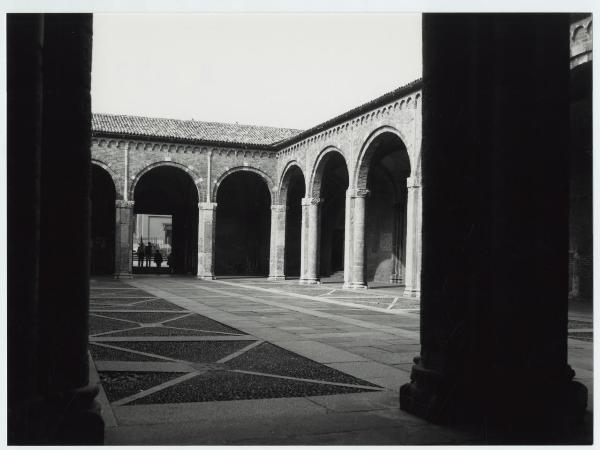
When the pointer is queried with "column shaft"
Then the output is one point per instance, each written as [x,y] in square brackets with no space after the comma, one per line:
[413,239]
[358,239]
[348,223]
[310,218]
[206,240]
[277,253]
[124,218]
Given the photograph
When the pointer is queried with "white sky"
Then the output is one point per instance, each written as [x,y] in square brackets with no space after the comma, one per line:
[286,70]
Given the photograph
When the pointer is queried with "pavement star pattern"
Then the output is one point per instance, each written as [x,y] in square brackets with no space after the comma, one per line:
[148,350]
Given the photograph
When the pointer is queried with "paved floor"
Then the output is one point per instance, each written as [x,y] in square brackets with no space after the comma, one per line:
[247,361]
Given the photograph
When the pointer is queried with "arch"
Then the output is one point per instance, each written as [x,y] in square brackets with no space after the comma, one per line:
[316,177]
[361,169]
[259,172]
[113,176]
[154,165]
[284,181]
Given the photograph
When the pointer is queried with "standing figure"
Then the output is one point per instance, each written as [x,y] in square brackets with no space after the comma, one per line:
[158,259]
[171,262]
[140,254]
[148,252]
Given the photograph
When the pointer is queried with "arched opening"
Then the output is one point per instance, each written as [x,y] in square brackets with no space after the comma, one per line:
[293,190]
[387,165]
[243,225]
[333,186]
[102,205]
[164,193]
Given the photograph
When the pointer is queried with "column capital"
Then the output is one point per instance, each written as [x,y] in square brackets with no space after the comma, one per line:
[124,203]
[307,201]
[207,206]
[278,208]
[357,193]
[413,183]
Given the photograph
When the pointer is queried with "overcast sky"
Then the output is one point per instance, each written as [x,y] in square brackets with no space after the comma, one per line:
[286,70]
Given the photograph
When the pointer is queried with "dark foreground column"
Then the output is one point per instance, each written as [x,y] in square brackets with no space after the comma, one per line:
[495,224]
[60,406]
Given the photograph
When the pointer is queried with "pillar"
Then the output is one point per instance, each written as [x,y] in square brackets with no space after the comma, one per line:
[348,224]
[310,242]
[413,238]
[357,264]
[399,242]
[124,218]
[495,227]
[277,253]
[51,399]
[206,240]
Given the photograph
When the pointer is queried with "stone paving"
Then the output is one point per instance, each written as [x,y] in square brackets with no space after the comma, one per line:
[247,361]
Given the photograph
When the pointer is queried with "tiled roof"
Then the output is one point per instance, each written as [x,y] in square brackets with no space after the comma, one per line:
[227,133]
[190,130]
[371,104]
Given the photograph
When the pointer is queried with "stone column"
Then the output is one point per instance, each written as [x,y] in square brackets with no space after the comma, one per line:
[311,231]
[51,399]
[277,255]
[123,238]
[359,197]
[495,228]
[206,240]
[399,242]
[412,278]
[348,224]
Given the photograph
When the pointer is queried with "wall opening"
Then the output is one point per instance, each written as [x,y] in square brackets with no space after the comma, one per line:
[243,225]
[334,183]
[385,227]
[170,191]
[293,221]
[102,204]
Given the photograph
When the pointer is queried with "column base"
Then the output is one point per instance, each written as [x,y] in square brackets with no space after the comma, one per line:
[276,278]
[517,408]
[412,293]
[124,275]
[309,281]
[397,280]
[62,418]
[206,277]
[355,286]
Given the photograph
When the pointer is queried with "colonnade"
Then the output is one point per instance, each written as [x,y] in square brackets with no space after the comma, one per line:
[406,245]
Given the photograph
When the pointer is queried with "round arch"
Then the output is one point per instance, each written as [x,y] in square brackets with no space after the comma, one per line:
[112,174]
[260,173]
[284,181]
[316,177]
[363,162]
[194,177]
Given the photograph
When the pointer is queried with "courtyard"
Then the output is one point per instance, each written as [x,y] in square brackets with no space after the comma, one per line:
[250,361]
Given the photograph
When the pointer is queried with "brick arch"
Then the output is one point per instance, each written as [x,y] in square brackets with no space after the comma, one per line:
[316,176]
[363,162]
[284,181]
[193,175]
[260,173]
[113,176]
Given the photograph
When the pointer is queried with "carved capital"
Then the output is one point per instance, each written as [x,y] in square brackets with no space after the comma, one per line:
[278,208]
[205,206]
[124,203]
[358,193]
[308,201]
[413,183]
